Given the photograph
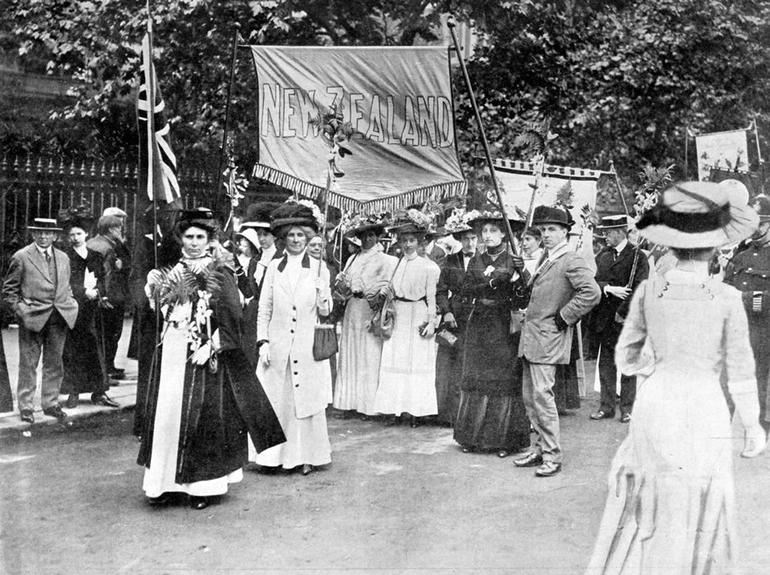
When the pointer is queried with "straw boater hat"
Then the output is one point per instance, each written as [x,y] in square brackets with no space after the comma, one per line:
[618,222]
[44,225]
[699,215]
[552,215]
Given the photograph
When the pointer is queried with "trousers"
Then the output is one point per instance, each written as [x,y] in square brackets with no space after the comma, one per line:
[540,403]
[608,373]
[50,341]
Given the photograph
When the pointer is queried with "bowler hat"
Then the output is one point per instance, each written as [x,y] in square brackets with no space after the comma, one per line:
[698,215]
[552,215]
[44,224]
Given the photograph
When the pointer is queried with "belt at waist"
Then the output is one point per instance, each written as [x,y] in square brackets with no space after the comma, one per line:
[399,298]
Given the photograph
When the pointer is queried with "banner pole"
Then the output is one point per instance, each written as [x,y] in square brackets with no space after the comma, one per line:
[620,189]
[451,25]
[756,139]
[686,147]
[223,153]
[150,133]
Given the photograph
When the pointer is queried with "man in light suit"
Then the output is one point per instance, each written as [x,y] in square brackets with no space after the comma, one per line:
[563,291]
[37,289]
[620,268]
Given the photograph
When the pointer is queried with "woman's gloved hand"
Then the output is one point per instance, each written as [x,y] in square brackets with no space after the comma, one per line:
[264,353]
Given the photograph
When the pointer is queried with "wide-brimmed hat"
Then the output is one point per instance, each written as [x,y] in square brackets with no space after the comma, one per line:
[413,221]
[44,225]
[552,215]
[361,224]
[408,227]
[292,214]
[258,215]
[250,234]
[699,215]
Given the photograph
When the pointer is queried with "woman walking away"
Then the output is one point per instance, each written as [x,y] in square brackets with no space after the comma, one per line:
[294,294]
[670,507]
[491,416]
[202,396]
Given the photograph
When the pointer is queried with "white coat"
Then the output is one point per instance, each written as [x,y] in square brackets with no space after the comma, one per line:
[287,319]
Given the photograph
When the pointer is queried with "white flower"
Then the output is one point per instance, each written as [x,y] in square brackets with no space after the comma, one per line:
[489,270]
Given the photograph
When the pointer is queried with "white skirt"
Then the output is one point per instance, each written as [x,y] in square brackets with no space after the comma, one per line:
[160,477]
[408,366]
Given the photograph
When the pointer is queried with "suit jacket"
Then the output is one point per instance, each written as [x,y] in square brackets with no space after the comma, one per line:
[450,283]
[31,292]
[616,272]
[564,285]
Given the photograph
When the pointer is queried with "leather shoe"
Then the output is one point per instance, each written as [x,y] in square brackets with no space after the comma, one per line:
[103,399]
[199,502]
[161,500]
[532,459]
[307,469]
[72,401]
[56,412]
[548,469]
[503,453]
[27,416]
[601,414]
[625,418]
[466,449]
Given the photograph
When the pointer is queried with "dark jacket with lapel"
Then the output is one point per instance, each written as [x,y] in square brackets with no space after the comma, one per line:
[448,298]
[616,272]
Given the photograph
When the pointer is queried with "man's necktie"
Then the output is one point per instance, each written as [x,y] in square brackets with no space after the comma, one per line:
[51,266]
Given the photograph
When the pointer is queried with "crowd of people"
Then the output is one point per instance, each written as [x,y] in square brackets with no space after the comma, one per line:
[477,333]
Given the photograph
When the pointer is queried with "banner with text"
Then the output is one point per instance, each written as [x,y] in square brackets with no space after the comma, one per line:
[396,104]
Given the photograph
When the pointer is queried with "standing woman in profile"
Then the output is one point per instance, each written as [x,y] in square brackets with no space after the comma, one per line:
[670,507]
[85,368]
[492,415]
[295,293]
[202,396]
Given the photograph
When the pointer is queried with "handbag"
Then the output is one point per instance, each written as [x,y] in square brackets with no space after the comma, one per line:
[381,324]
[517,320]
[324,341]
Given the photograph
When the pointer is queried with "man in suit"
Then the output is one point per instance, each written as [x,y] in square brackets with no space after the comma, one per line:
[563,290]
[37,289]
[454,311]
[620,268]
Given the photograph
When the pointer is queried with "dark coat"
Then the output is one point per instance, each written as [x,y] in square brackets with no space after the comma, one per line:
[251,289]
[616,272]
[448,291]
[218,409]
[117,268]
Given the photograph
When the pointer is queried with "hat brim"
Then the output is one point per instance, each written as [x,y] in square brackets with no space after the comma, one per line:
[256,225]
[379,229]
[567,225]
[283,223]
[742,224]
[43,229]
[408,229]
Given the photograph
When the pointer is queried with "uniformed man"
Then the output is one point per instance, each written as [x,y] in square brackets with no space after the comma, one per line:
[749,271]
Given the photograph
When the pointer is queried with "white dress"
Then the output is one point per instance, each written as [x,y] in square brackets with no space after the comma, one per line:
[408,366]
[360,352]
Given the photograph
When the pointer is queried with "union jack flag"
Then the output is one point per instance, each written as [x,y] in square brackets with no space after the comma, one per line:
[157,163]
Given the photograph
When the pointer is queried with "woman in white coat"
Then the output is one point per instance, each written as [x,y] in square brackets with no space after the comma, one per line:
[295,292]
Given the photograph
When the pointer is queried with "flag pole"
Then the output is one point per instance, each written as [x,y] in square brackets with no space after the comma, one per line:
[482,135]
[756,139]
[223,153]
[150,134]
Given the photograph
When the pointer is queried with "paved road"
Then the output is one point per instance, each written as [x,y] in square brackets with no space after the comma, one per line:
[394,500]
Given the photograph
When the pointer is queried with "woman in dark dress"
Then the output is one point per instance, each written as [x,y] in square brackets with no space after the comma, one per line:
[202,397]
[491,416]
[85,369]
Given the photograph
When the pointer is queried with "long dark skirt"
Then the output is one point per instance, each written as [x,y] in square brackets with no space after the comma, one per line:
[85,369]
[6,397]
[565,389]
[491,415]
[449,373]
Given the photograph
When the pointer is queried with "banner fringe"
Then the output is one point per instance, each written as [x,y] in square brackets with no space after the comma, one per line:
[433,192]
